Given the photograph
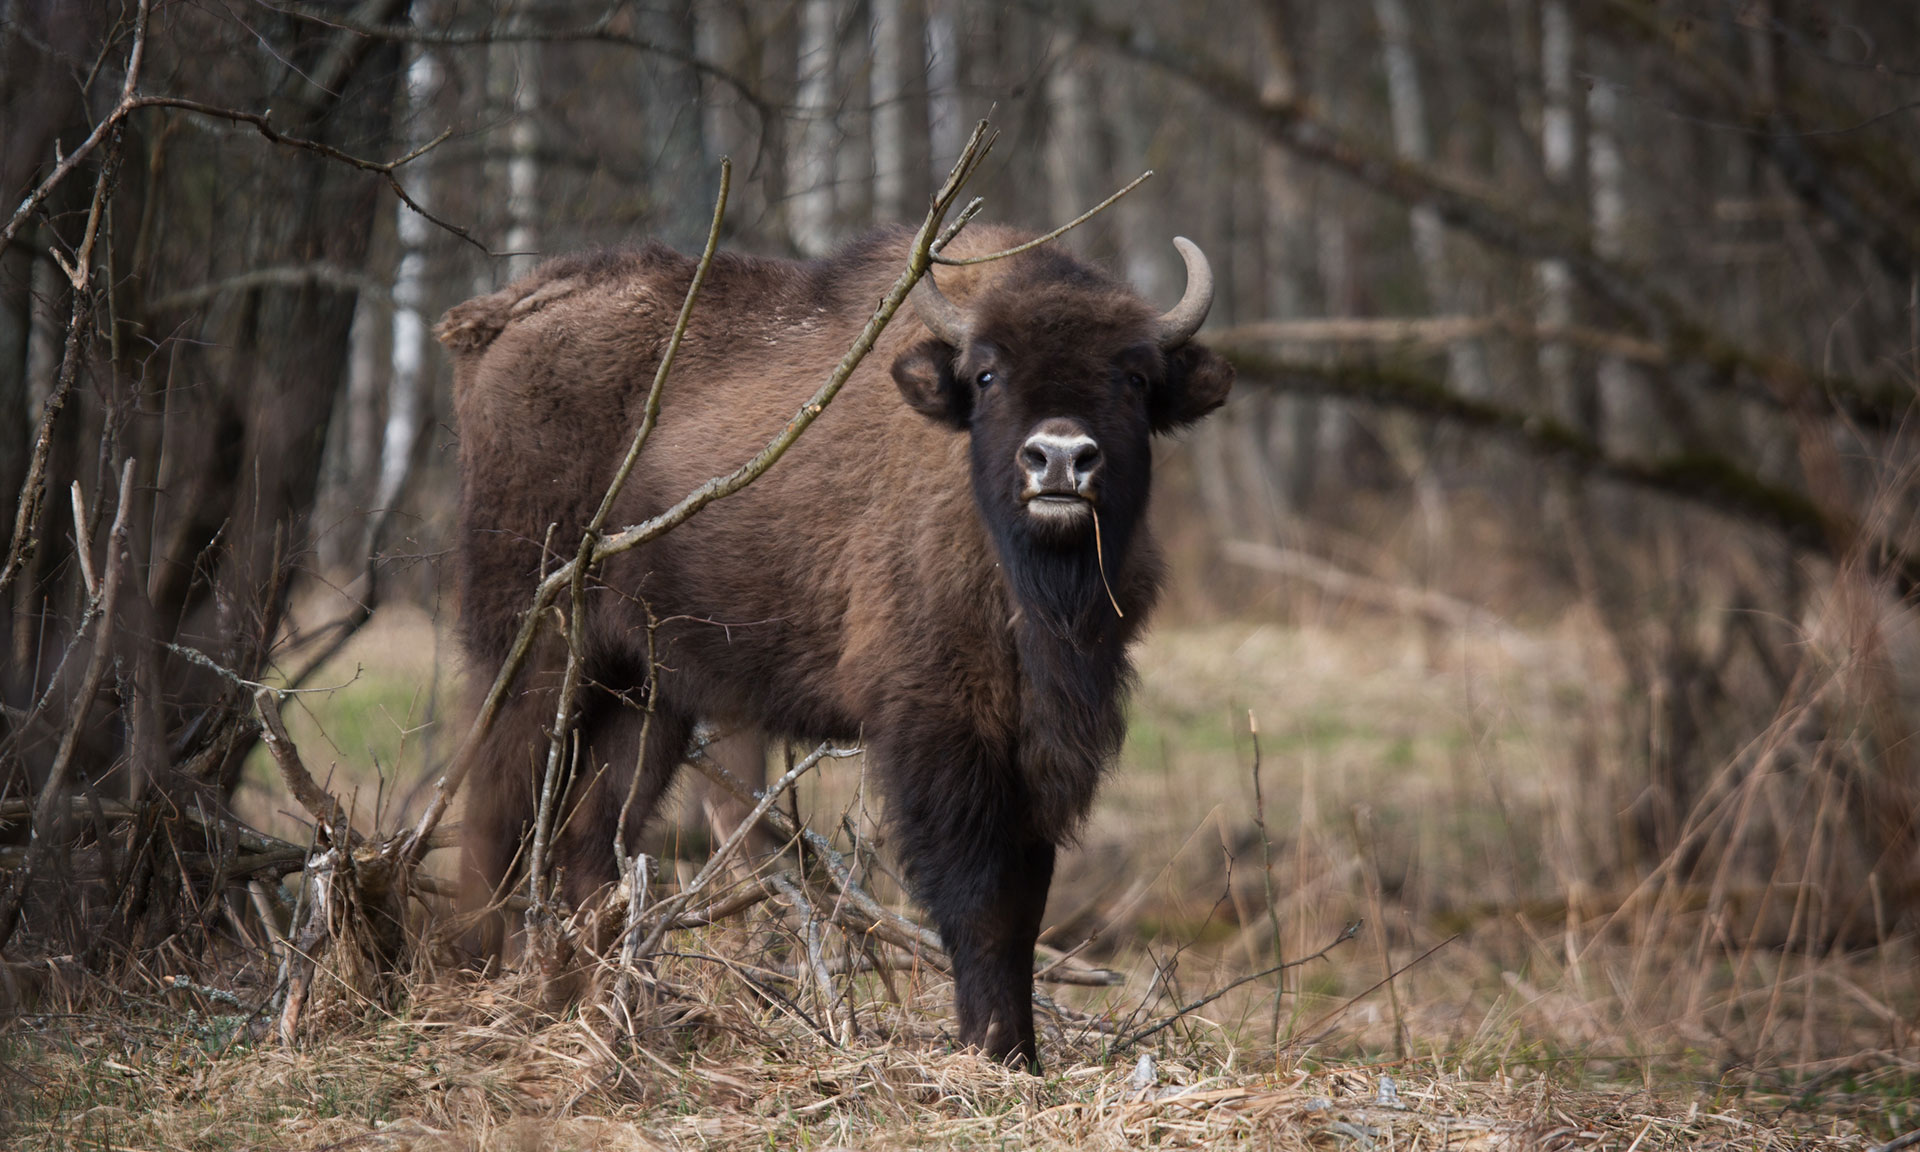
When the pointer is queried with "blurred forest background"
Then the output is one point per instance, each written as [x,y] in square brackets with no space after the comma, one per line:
[1588,329]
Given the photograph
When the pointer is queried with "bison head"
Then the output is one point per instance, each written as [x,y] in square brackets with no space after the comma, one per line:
[1060,376]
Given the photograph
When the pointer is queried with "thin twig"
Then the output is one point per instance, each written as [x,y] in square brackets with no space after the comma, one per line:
[962,261]
[1370,989]
[1266,868]
[1346,934]
[80,274]
[83,543]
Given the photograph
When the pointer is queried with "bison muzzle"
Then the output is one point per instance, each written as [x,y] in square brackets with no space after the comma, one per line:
[949,565]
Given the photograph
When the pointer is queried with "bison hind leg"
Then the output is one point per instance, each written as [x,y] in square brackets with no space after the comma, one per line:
[611,732]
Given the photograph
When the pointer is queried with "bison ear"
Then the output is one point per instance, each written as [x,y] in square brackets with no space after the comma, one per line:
[1197,382]
[924,374]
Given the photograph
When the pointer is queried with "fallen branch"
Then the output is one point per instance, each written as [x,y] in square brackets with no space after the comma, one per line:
[833,1007]
[1335,580]
[1703,478]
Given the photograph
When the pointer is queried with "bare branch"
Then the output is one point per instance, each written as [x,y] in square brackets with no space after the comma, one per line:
[717,861]
[1437,607]
[100,132]
[1428,331]
[100,617]
[1706,479]
[26,519]
[326,811]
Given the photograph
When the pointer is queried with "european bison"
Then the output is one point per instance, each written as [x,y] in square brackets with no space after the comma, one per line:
[923,570]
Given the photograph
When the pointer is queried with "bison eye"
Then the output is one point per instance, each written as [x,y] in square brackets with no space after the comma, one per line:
[985,379]
[1137,380]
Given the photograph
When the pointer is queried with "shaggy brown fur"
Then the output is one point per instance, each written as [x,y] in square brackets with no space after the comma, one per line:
[884,581]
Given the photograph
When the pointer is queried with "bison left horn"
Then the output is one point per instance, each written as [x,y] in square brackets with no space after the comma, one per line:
[942,316]
[1178,324]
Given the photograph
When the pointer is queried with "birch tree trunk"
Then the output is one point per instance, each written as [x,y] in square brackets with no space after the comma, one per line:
[522,72]
[1558,148]
[1466,366]
[946,127]
[1073,152]
[677,161]
[1625,417]
[409,348]
[811,214]
[888,94]
[1287,237]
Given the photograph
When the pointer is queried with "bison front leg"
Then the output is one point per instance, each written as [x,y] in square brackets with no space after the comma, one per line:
[984,879]
[999,985]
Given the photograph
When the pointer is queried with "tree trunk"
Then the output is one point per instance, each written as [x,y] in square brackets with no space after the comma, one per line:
[888,89]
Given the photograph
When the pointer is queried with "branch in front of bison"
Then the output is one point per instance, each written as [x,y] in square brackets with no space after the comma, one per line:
[411,847]
[862,913]
[46,813]
[834,1009]
[651,414]
[719,487]
[669,909]
[550,787]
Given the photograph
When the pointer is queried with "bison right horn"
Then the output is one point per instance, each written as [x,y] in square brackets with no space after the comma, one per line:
[1178,325]
[942,316]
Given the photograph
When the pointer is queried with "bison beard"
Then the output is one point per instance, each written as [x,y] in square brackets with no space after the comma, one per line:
[923,574]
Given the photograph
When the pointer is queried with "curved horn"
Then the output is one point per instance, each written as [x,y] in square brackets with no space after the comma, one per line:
[1178,325]
[942,316]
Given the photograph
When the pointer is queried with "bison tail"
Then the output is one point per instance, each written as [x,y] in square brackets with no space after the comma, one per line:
[468,328]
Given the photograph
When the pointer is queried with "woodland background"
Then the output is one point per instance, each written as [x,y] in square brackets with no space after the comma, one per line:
[1582,330]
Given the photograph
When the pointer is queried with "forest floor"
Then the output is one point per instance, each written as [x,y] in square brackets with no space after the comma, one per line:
[1501,990]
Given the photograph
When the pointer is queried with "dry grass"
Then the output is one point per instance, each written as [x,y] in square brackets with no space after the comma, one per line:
[473,1065]
[1438,787]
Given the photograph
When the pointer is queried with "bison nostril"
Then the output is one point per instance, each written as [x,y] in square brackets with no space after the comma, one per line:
[1087,456]
[1035,458]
